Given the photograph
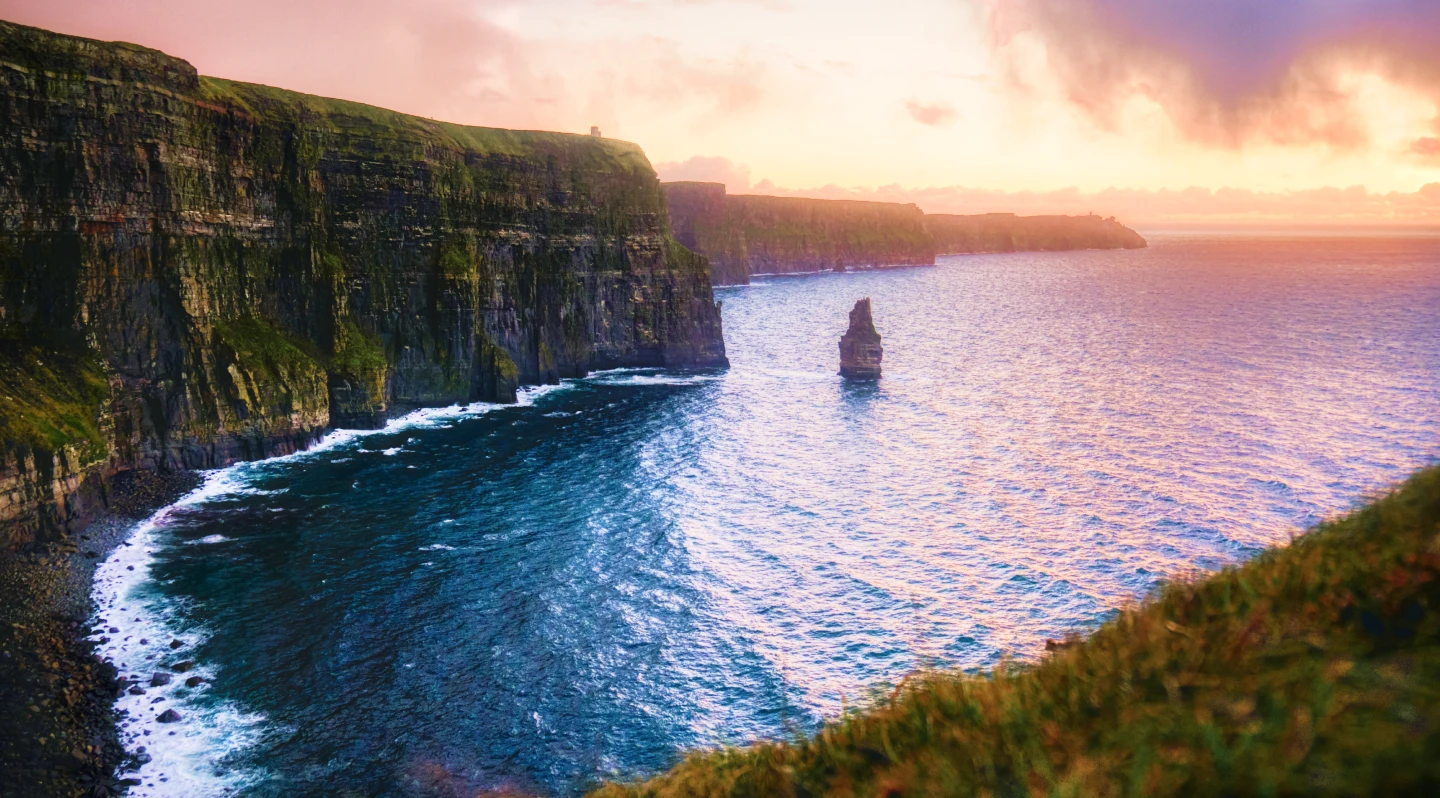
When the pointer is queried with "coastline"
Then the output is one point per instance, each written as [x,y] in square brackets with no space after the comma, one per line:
[52,658]
[59,731]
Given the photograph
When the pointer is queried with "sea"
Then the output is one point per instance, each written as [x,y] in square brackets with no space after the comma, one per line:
[530,599]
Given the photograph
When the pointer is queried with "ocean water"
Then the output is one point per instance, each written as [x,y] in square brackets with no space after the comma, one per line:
[578,587]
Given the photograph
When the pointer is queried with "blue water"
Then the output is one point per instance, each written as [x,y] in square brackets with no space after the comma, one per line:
[536,597]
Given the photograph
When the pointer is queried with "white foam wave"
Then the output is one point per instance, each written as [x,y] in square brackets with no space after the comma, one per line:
[659,379]
[184,755]
[210,539]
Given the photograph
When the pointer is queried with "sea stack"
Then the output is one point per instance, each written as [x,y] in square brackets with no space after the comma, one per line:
[860,350]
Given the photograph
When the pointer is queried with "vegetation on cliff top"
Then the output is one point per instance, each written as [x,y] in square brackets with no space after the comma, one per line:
[51,400]
[345,116]
[1313,669]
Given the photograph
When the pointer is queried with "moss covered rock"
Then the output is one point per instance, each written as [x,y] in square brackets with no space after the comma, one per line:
[244,266]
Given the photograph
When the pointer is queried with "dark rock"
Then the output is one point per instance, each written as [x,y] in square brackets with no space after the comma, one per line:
[168,716]
[860,349]
[160,679]
[137,690]
[395,262]
[194,681]
[744,235]
[176,644]
[181,667]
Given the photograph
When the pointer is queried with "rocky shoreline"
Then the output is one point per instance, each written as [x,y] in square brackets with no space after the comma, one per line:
[58,725]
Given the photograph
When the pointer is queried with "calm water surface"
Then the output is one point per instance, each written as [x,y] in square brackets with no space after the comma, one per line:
[536,597]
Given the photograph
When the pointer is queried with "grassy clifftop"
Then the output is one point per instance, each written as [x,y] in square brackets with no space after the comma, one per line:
[73,58]
[1314,669]
[238,266]
[1006,232]
[744,234]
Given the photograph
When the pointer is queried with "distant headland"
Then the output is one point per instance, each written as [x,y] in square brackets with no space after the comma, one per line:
[745,235]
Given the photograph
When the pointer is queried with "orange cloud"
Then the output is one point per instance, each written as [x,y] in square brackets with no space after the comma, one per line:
[1354,205]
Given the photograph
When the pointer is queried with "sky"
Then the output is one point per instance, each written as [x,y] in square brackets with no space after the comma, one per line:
[1310,110]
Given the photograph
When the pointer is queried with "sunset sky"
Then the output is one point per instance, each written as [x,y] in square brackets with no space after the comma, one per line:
[1138,107]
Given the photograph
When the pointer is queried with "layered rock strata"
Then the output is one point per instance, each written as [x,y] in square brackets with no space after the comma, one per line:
[195,271]
[860,350]
[744,235]
[1006,232]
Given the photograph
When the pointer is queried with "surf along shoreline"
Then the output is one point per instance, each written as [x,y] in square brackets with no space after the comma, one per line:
[59,735]
[62,732]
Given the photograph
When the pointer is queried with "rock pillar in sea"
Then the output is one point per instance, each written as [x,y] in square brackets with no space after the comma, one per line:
[860,350]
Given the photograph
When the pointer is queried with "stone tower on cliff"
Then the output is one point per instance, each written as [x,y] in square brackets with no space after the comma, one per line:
[860,349]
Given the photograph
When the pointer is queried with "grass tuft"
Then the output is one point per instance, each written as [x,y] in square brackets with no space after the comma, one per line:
[1313,669]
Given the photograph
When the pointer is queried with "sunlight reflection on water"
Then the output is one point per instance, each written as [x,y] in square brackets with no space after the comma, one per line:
[641,561]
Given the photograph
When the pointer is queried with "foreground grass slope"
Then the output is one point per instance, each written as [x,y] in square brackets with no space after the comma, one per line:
[1313,669]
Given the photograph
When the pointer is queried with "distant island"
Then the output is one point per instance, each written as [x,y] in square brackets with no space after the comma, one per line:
[744,235]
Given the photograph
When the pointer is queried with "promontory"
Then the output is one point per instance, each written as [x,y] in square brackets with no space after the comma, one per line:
[195,271]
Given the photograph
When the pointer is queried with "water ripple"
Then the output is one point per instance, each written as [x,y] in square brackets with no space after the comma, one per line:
[535,597]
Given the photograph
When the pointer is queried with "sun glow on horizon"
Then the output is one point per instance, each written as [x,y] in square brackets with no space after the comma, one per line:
[808,96]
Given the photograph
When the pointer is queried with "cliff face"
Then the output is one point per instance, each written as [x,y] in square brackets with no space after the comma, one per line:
[195,271]
[1006,232]
[744,234]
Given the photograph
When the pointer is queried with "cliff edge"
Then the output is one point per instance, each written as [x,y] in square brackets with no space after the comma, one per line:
[1310,670]
[744,234]
[195,271]
[1006,232]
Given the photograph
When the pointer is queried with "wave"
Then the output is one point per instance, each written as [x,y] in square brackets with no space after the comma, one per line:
[189,758]
[184,756]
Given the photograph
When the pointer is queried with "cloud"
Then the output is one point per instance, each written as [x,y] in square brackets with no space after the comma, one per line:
[1227,71]
[1354,205]
[1427,148]
[932,114]
[705,169]
[439,58]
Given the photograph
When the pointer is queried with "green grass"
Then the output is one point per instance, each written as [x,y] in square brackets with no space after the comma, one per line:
[357,352]
[50,400]
[1313,669]
[340,116]
[260,346]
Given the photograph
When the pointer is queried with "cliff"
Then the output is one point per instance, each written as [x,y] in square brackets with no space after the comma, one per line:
[195,271]
[743,234]
[1311,670]
[1006,232]
[747,234]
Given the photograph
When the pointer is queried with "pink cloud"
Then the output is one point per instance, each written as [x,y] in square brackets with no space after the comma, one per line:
[736,177]
[436,58]
[1227,71]
[932,114]
[1427,148]
[1354,205]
